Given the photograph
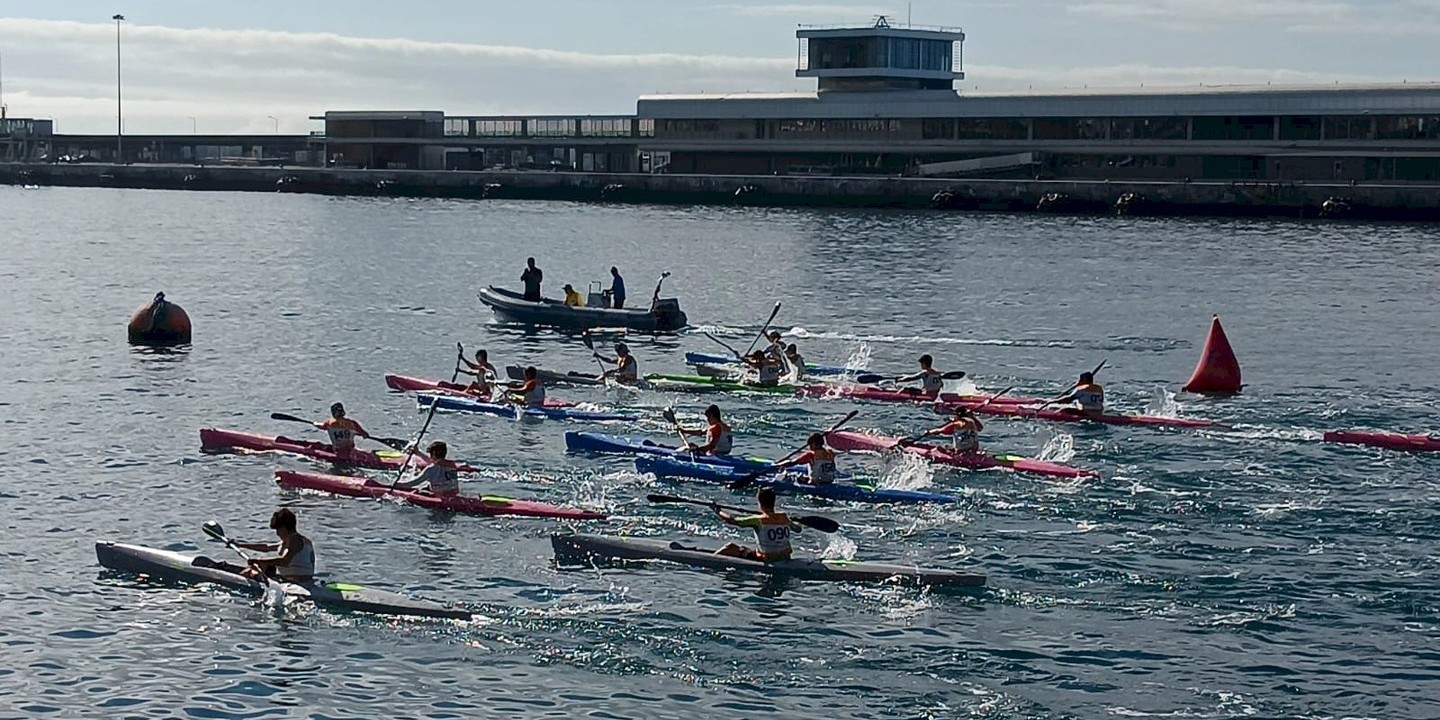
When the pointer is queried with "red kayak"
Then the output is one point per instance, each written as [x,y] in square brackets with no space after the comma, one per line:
[863,442]
[217,439]
[470,505]
[910,395]
[1057,415]
[1392,441]
[405,383]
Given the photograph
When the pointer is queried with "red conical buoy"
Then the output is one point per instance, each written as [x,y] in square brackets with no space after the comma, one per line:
[159,323]
[1218,371]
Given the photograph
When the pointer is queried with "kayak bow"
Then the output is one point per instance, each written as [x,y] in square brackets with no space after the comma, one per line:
[861,442]
[469,505]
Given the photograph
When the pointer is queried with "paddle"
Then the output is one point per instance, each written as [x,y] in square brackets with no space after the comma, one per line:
[721,343]
[780,464]
[590,345]
[415,444]
[917,438]
[669,414]
[763,328]
[655,299]
[1048,403]
[871,378]
[395,443]
[818,522]
[217,531]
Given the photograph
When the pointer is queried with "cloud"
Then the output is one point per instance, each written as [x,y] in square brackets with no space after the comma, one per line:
[1337,17]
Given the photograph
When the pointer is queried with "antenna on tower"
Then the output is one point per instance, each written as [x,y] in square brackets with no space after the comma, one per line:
[881,21]
[909,10]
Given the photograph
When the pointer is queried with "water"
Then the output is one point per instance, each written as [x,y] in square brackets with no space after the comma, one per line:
[1245,571]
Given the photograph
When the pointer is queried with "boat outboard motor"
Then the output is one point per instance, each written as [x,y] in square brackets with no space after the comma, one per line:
[668,314]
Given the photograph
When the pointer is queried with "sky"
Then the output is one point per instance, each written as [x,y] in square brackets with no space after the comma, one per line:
[259,65]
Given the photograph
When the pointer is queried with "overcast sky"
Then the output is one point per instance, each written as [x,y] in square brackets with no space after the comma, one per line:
[234,65]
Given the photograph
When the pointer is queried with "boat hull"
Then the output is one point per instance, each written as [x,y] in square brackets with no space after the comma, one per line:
[512,307]
[469,505]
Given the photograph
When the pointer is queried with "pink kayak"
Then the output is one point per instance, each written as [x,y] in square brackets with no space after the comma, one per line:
[217,439]
[470,505]
[1392,441]
[405,383]
[863,442]
[911,395]
[1057,415]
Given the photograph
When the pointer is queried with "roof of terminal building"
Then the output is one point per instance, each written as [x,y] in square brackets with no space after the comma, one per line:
[1349,99]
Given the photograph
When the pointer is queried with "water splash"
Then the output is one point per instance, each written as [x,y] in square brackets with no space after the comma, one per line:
[1162,403]
[859,358]
[904,471]
[839,547]
[1060,448]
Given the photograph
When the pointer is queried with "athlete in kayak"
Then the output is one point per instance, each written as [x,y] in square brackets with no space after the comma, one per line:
[481,365]
[772,531]
[776,349]
[441,477]
[342,430]
[795,361]
[719,438]
[762,370]
[821,460]
[964,431]
[1088,398]
[627,369]
[295,560]
[531,392]
[931,380]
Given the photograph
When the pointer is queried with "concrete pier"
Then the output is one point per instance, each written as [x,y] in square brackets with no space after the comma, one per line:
[1396,201]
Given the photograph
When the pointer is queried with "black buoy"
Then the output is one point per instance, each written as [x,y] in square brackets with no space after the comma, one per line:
[160,323]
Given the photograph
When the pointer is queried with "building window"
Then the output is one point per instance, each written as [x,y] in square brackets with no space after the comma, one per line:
[1241,127]
[1300,127]
[1407,127]
[1348,128]
[552,127]
[498,128]
[1070,128]
[1156,128]
[992,129]
[937,129]
[605,127]
[457,127]
[647,127]
[690,128]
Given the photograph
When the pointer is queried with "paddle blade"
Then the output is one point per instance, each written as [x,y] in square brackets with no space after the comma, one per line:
[214,530]
[395,443]
[589,343]
[289,418]
[819,522]
[658,498]
[953,375]
[669,415]
[868,378]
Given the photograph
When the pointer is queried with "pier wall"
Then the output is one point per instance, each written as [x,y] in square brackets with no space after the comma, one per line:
[1395,201]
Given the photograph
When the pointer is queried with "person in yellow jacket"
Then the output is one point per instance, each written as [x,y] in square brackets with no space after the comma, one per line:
[572,297]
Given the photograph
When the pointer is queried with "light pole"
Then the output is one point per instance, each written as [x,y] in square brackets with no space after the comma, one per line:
[193,130]
[119,114]
[277,123]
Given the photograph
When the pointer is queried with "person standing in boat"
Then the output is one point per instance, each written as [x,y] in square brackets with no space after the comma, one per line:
[531,392]
[1088,398]
[932,381]
[964,431]
[342,430]
[627,368]
[772,531]
[719,438]
[295,561]
[617,289]
[531,278]
[441,477]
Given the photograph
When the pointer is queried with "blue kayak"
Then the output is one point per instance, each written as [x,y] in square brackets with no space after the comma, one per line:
[464,404]
[786,482]
[694,358]
[620,445]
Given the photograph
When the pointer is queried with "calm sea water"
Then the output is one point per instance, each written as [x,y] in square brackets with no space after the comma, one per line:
[1244,571]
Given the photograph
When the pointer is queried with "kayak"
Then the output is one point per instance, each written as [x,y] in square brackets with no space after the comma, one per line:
[862,442]
[693,358]
[461,404]
[785,482]
[215,439]
[1055,415]
[515,372]
[910,395]
[596,550]
[405,383]
[469,505]
[621,445]
[1389,440]
[698,383]
[169,566]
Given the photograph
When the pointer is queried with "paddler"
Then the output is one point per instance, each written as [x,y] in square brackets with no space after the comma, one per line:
[342,430]
[795,360]
[932,381]
[776,349]
[530,393]
[627,369]
[820,459]
[763,370]
[719,438]
[295,561]
[441,477]
[481,365]
[1088,398]
[964,431]
[772,531]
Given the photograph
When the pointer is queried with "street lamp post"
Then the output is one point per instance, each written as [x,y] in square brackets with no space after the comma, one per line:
[193,130]
[119,114]
[277,123]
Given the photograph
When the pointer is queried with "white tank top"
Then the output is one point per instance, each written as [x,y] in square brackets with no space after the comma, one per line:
[341,438]
[769,373]
[931,382]
[966,440]
[724,443]
[1091,399]
[442,480]
[773,539]
[302,566]
[822,470]
[535,398]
